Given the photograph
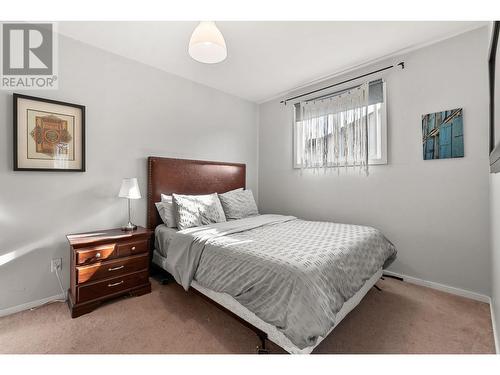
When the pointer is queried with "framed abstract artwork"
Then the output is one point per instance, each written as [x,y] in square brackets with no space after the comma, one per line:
[443,134]
[49,135]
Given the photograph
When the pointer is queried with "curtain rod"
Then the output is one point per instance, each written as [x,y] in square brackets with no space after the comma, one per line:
[402,64]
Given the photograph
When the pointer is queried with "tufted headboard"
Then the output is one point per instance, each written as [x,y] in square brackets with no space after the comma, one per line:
[183,176]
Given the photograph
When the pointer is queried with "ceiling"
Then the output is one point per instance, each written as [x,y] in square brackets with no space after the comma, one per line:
[265,59]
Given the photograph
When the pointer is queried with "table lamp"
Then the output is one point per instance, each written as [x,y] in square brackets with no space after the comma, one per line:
[129,190]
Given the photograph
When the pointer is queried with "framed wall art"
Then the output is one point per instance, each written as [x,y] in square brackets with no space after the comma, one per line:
[494,81]
[443,134]
[49,135]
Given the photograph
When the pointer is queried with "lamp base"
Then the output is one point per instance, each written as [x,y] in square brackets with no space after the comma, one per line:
[129,227]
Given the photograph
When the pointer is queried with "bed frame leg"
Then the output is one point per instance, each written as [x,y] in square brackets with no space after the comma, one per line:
[262,348]
[160,274]
[164,280]
[393,277]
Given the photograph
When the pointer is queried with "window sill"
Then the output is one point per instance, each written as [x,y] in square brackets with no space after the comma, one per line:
[370,163]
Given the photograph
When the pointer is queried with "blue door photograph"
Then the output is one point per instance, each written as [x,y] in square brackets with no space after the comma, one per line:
[442,135]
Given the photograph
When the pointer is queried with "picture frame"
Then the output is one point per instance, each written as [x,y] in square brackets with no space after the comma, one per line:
[494,91]
[443,134]
[49,135]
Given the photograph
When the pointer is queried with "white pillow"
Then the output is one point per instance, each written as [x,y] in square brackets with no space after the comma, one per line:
[166,210]
[238,204]
[197,210]
[233,191]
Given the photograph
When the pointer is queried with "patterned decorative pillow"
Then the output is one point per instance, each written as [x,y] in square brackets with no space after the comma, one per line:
[238,204]
[167,211]
[197,210]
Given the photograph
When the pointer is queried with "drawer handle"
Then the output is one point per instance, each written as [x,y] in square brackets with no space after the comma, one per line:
[116,268]
[115,284]
[133,247]
[98,255]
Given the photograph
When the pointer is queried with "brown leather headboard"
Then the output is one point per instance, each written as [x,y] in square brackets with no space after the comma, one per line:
[182,176]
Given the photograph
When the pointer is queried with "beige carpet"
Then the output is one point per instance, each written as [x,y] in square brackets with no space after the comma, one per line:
[403,318]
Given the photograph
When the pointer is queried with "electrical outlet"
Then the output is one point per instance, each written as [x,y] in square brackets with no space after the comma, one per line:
[55,264]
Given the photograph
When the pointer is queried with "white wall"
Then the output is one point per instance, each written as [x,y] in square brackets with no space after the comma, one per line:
[133,111]
[495,246]
[436,211]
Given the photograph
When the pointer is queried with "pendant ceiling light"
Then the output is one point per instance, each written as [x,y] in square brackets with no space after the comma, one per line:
[207,44]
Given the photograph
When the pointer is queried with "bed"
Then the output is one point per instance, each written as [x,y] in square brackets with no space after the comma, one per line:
[290,281]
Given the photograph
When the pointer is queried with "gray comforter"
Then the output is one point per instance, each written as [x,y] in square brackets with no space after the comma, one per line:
[291,273]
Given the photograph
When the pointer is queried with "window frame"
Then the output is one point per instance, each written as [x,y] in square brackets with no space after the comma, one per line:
[383,135]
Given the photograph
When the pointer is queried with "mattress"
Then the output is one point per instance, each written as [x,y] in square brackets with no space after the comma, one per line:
[163,236]
[272,332]
[292,273]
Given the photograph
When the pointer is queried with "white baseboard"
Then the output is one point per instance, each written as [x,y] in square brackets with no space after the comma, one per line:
[30,305]
[493,324]
[442,287]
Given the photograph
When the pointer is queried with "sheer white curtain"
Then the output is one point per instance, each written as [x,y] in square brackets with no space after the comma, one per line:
[333,132]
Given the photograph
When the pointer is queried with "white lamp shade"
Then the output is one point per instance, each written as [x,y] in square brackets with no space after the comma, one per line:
[207,45]
[130,189]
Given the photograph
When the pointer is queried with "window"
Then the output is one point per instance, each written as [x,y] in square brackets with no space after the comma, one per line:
[377,128]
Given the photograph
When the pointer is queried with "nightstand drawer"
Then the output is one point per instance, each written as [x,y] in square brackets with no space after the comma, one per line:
[94,254]
[99,271]
[107,287]
[132,248]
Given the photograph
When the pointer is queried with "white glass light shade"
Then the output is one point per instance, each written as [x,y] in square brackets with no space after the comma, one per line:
[207,45]
[130,189]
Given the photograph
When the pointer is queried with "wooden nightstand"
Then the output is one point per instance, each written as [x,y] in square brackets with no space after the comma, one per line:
[107,264]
